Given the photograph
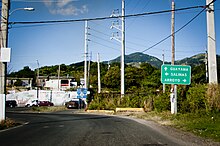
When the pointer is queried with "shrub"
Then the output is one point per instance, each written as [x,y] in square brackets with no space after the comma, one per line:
[7,124]
[162,102]
[104,101]
[182,103]
[213,97]
[196,98]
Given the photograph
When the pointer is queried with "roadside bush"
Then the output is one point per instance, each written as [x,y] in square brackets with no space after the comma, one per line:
[162,102]
[130,101]
[182,103]
[7,124]
[104,101]
[196,98]
[213,97]
[111,101]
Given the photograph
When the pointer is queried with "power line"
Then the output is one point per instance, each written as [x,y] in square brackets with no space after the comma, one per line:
[174,32]
[100,32]
[204,8]
[103,18]
[40,1]
[104,45]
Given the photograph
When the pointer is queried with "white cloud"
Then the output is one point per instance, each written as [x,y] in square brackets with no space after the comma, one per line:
[62,3]
[64,7]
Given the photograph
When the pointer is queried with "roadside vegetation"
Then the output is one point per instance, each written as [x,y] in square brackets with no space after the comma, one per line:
[8,123]
[47,108]
[198,103]
[198,108]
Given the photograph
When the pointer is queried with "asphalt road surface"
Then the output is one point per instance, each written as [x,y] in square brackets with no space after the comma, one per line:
[69,129]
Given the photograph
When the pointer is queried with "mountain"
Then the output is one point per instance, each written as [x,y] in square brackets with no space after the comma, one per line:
[137,58]
[192,61]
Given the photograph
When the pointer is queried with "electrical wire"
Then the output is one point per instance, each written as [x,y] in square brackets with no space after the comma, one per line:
[147,3]
[104,18]
[104,45]
[40,1]
[204,8]
[174,32]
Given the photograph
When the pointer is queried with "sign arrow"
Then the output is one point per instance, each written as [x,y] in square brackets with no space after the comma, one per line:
[175,74]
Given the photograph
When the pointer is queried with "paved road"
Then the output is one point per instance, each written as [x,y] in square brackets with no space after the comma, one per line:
[69,129]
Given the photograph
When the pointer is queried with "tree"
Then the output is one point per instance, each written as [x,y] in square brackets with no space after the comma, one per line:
[133,77]
[112,78]
[26,72]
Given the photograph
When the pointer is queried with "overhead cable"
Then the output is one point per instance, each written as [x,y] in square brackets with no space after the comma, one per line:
[103,18]
[204,8]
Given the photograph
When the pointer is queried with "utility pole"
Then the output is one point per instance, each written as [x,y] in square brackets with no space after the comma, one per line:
[98,66]
[86,52]
[172,32]
[163,63]
[108,65]
[206,66]
[212,65]
[90,58]
[38,72]
[59,78]
[173,95]
[122,41]
[123,50]
[3,65]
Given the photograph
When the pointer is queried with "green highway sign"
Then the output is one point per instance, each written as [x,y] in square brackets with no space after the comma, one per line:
[175,74]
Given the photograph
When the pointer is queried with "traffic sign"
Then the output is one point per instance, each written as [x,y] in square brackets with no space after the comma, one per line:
[78,91]
[85,91]
[176,74]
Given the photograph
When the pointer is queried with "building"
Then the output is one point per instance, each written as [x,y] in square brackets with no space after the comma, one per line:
[23,82]
[55,83]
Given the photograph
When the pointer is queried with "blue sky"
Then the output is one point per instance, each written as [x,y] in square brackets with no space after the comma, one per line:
[63,43]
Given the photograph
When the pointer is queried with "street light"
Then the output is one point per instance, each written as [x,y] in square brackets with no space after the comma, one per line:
[4,40]
[25,9]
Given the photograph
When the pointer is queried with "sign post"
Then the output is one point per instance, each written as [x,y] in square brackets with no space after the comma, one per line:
[176,75]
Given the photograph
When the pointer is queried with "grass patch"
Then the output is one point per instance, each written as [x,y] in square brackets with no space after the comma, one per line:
[203,124]
[48,108]
[8,123]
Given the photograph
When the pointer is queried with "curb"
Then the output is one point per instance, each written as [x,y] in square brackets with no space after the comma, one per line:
[101,111]
[129,109]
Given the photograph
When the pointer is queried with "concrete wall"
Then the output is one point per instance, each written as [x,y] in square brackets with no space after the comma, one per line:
[57,97]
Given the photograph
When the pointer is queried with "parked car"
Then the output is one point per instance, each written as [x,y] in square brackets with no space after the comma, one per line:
[11,103]
[75,103]
[72,104]
[31,103]
[45,103]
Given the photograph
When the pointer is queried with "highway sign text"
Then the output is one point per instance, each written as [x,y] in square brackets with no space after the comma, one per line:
[176,74]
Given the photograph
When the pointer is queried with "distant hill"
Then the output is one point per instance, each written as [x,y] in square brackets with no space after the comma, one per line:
[192,61]
[138,58]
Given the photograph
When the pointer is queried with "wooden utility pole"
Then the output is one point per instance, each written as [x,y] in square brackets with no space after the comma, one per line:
[86,53]
[173,95]
[99,80]
[123,50]
[3,65]
[59,78]
[163,64]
